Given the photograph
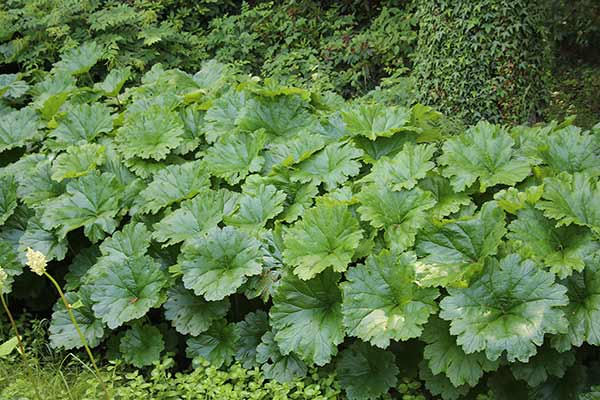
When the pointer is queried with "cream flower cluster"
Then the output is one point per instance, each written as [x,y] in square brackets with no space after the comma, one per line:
[3,277]
[36,261]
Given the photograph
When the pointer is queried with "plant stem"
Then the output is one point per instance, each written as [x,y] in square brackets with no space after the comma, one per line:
[81,336]
[21,347]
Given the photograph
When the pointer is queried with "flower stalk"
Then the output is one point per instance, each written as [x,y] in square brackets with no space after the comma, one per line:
[3,277]
[37,262]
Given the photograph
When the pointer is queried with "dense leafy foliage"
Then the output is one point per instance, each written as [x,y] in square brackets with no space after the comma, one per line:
[506,81]
[349,47]
[244,221]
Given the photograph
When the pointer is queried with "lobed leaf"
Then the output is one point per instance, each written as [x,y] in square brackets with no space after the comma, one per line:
[126,290]
[326,237]
[312,307]
[509,308]
[382,302]
[216,265]
[484,152]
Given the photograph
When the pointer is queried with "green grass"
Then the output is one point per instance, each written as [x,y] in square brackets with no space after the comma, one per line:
[69,376]
[69,379]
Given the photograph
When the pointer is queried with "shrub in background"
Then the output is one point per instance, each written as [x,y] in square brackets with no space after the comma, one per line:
[301,43]
[483,59]
[576,25]
[347,47]
[139,33]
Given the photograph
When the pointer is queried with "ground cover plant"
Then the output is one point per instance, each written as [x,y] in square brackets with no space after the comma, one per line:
[232,220]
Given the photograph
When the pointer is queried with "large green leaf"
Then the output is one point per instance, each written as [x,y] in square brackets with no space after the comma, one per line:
[293,151]
[299,196]
[141,345]
[583,310]
[443,355]
[10,264]
[132,240]
[562,249]
[235,156]
[249,333]
[257,207]
[83,123]
[152,133]
[114,81]
[326,237]
[440,384]
[193,125]
[215,265]
[195,216]
[17,128]
[216,345]
[172,184]
[572,199]
[274,364]
[222,115]
[91,202]
[12,87]
[63,333]
[312,308]
[401,214]
[547,362]
[44,240]
[373,121]
[81,264]
[405,169]
[9,346]
[278,116]
[333,165]
[8,197]
[381,147]
[484,152]
[36,186]
[512,200]
[366,372]
[77,161]
[126,290]
[211,75]
[509,308]
[190,314]
[452,252]
[52,93]
[382,302]
[570,150]
[80,59]
[447,201]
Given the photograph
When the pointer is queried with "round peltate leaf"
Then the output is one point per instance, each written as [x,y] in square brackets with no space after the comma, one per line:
[366,372]
[249,333]
[382,302]
[62,331]
[215,266]
[509,308]
[125,290]
[326,237]
[141,345]
[10,264]
[282,368]
[400,214]
[312,307]
[8,197]
[443,355]
[190,314]
[583,310]
[216,345]
[150,134]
